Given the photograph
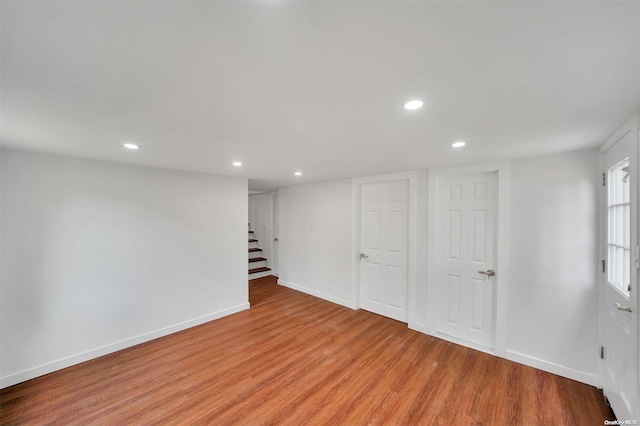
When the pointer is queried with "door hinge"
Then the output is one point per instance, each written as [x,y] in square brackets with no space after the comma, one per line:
[604,179]
[629,288]
[604,266]
[601,352]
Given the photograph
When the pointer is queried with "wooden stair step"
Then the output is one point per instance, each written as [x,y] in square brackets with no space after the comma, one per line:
[257,259]
[252,249]
[256,270]
[253,240]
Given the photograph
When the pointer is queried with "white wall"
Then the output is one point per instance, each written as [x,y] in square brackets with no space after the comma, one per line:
[551,311]
[261,219]
[99,256]
[315,240]
[552,302]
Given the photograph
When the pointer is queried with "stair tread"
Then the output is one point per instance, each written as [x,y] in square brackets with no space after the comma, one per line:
[252,249]
[253,240]
[256,270]
[257,259]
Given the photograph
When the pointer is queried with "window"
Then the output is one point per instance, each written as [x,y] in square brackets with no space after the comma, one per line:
[619,226]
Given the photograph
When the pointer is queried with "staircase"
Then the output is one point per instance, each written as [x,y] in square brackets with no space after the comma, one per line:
[257,264]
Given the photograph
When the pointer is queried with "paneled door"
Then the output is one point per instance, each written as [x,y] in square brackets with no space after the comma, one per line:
[383,248]
[467,224]
[618,306]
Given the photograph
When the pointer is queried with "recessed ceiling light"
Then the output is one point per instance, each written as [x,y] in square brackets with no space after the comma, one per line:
[237,163]
[298,173]
[414,104]
[458,144]
[130,145]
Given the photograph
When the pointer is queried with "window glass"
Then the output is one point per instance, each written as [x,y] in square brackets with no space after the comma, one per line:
[619,226]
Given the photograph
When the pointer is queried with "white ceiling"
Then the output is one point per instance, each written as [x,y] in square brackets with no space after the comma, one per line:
[316,86]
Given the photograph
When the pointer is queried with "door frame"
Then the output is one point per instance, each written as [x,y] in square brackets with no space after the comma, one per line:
[416,231]
[275,231]
[632,125]
[502,256]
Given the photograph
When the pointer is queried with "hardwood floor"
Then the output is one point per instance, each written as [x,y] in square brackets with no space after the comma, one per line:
[293,359]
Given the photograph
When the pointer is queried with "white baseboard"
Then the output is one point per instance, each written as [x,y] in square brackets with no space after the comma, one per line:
[560,370]
[317,294]
[520,358]
[465,343]
[114,347]
[423,329]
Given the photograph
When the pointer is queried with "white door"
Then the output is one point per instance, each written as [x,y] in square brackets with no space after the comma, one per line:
[467,224]
[383,248]
[618,293]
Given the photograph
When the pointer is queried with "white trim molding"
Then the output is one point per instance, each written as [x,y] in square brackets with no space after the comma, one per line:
[560,370]
[631,125]
[318,294]
[114,347]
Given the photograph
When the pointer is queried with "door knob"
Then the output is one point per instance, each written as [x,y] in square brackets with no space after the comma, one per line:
[488,272]
[623,308]
[363,256]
